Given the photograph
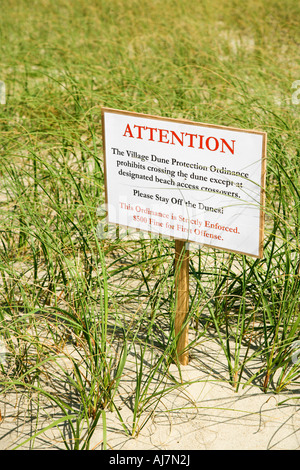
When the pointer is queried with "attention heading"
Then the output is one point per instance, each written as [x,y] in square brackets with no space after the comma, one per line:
[185,139]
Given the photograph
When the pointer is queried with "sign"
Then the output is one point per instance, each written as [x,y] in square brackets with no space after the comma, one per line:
[185,180]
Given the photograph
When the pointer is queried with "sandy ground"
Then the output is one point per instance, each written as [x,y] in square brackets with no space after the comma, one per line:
[204,414]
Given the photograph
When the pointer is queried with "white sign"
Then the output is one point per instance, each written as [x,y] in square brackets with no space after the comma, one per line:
[186,180]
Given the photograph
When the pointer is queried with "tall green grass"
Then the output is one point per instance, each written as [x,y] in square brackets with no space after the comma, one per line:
[73,307]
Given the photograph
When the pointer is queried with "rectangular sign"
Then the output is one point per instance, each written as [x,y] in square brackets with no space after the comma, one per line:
[185,180]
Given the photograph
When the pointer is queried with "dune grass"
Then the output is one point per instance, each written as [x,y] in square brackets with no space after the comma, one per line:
[73,305]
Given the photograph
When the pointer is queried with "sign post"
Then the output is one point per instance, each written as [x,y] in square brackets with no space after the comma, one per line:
[187,181]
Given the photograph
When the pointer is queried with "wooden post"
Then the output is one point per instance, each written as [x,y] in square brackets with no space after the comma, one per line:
[182,299]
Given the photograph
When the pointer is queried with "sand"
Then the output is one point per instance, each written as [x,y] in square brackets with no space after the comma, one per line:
[204,414]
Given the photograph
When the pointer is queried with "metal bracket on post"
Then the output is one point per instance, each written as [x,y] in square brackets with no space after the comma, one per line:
[2,93]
